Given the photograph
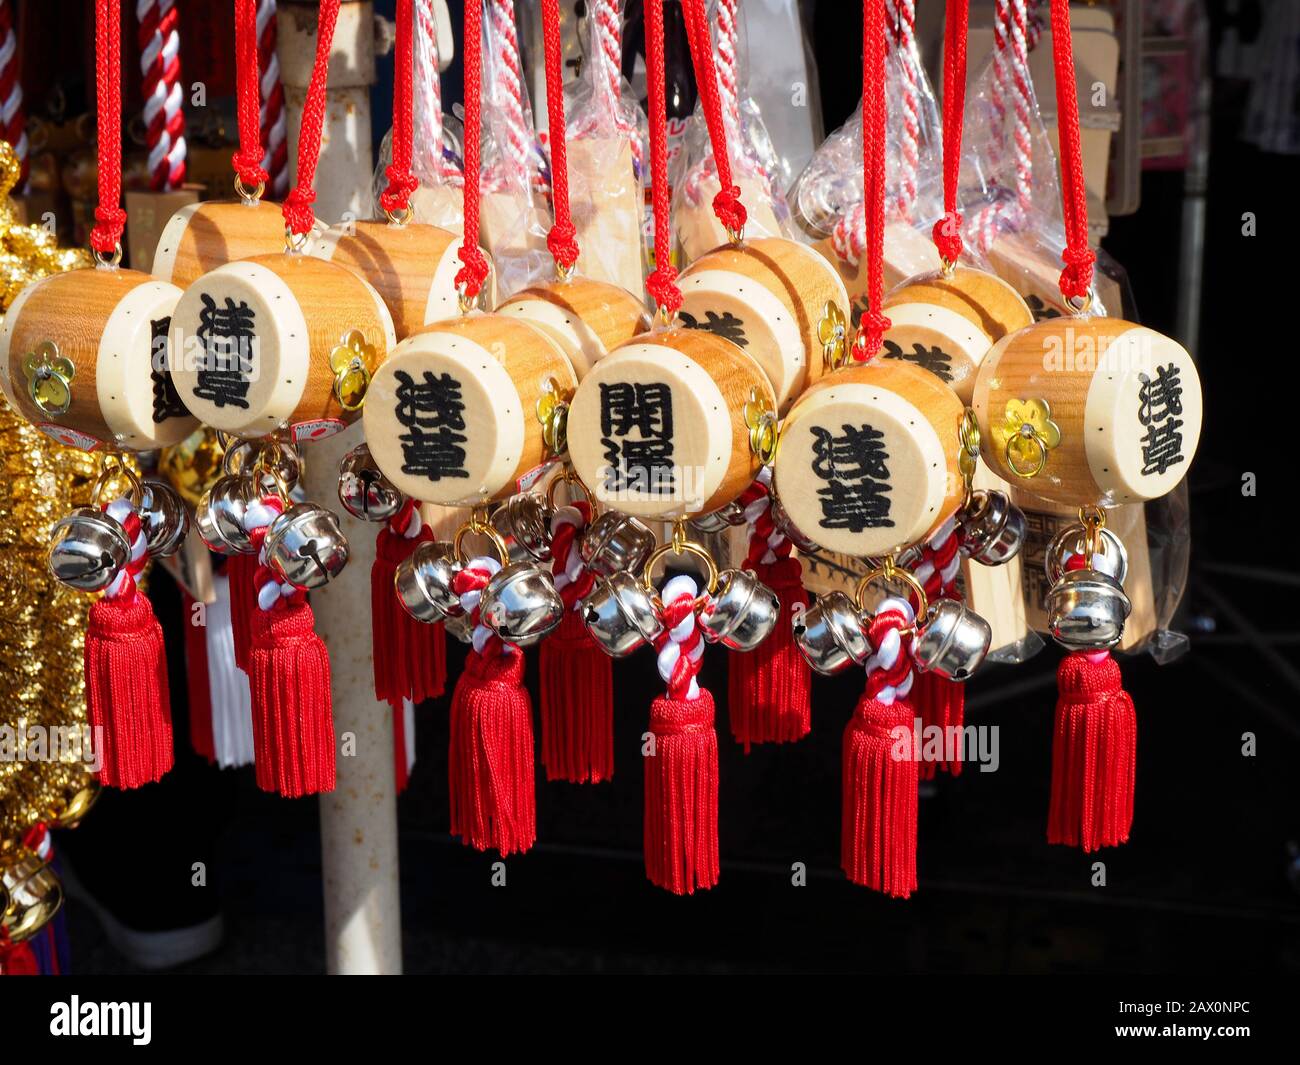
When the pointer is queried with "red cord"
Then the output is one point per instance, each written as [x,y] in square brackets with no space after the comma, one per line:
[402,182]
[470,278]
[1076,278]
[562,239]
[726,204]
[247,161]
[298,215]
[110,218]
[662,284]
[874,324]
[947,231]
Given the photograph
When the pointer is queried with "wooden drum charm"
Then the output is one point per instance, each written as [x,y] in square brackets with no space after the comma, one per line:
[202,236]
[275,342]
[413,267]
[586,318]
[83,357]
[868,458]
[1087,411]
[671,424]
[946,324]
[778,300]
[468,410]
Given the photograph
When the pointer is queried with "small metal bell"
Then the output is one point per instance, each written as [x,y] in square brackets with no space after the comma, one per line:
[424,583]
[305,546]
[219,517]
[620,615]
[287,464]
[952,642]
[616,543]
[524,520]
[34,891]
[993,528]
[88,550]
[1086,611]
[787,528]
[1112,559]
[719,521]
[829,634]
[364,491]
[520,604]
[165,520]
[743,613]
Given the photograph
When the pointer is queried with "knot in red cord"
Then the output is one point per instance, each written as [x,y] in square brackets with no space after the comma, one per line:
[298,215]
[475,269]
[662,286]
[947,236]
[728,208]
[1076,278]
[248,165]
[401,186]
[107,234]
[562,243]
[871,334]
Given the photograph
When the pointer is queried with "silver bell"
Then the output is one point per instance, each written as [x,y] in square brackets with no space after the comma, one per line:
[241,456]
[88,550]
[719,521]
[305,546]
[952,642]
[616,543]
[993,528]
[743,613]
[620,615]
[1086,611]
[524,520]
[163,516]
[219,517]
[424,583]
[520,604]
[1112,559]
[788,529]
[364,491]
[829,634]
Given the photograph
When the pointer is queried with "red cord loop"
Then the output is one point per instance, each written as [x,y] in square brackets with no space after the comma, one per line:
[247,161]
[1076,278]
[402,181]
[562,240]
[298,215]
[947,231]
[875,41]
[662,283]
[110,218]
[473,272]
[947,236]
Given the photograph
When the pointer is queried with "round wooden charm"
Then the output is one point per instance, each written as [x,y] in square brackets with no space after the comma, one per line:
[1088,411]
[83,357]
[586,318]
[778,300]
[947,324]
[202,236]
[282,341]
[413,267]
[868,458]
[458,414]
[661,426]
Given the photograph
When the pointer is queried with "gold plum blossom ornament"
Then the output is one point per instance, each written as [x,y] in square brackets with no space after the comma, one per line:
[553,412]
[761,422]
[49,378]
[833,332]
[352,361]
[1026,434]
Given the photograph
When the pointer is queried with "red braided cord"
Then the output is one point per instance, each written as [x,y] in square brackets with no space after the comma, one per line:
[874,324]
[684,670]
[564,542]
[947,231]
[726,204]
[110,218]
[562,239]
[662,284]
[1076,278]
[298,215]
[475,269]
[402,182]
[247,161]
[154,28]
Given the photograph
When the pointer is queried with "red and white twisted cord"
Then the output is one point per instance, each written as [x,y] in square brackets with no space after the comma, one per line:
[427,87]
[766,543]
[572,578]
[607,56]
[849,234]
[124,512]
[37,840]
[728,71]
[275,135]
[940,562]
[469,584]
[408,522]
[507,90]
[13,123]
[901,16]
[680,647]
[160,67]
[271,592]
[889,667]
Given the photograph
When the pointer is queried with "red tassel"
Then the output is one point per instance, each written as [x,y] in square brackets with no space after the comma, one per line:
[769,689]
[401,773]
[942,704]
[243,604]
[490,762]
[127,698]
[577,697]
[293,724]
[17,959]
[1094,754]
[196,678]
[878,834]
[681,795]
[410,657]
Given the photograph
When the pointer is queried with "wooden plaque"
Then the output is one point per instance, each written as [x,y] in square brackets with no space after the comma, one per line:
[657,428]
[868,459]
[453,416]
[202,236]
[254,344]
[1118,406]
[110,327]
